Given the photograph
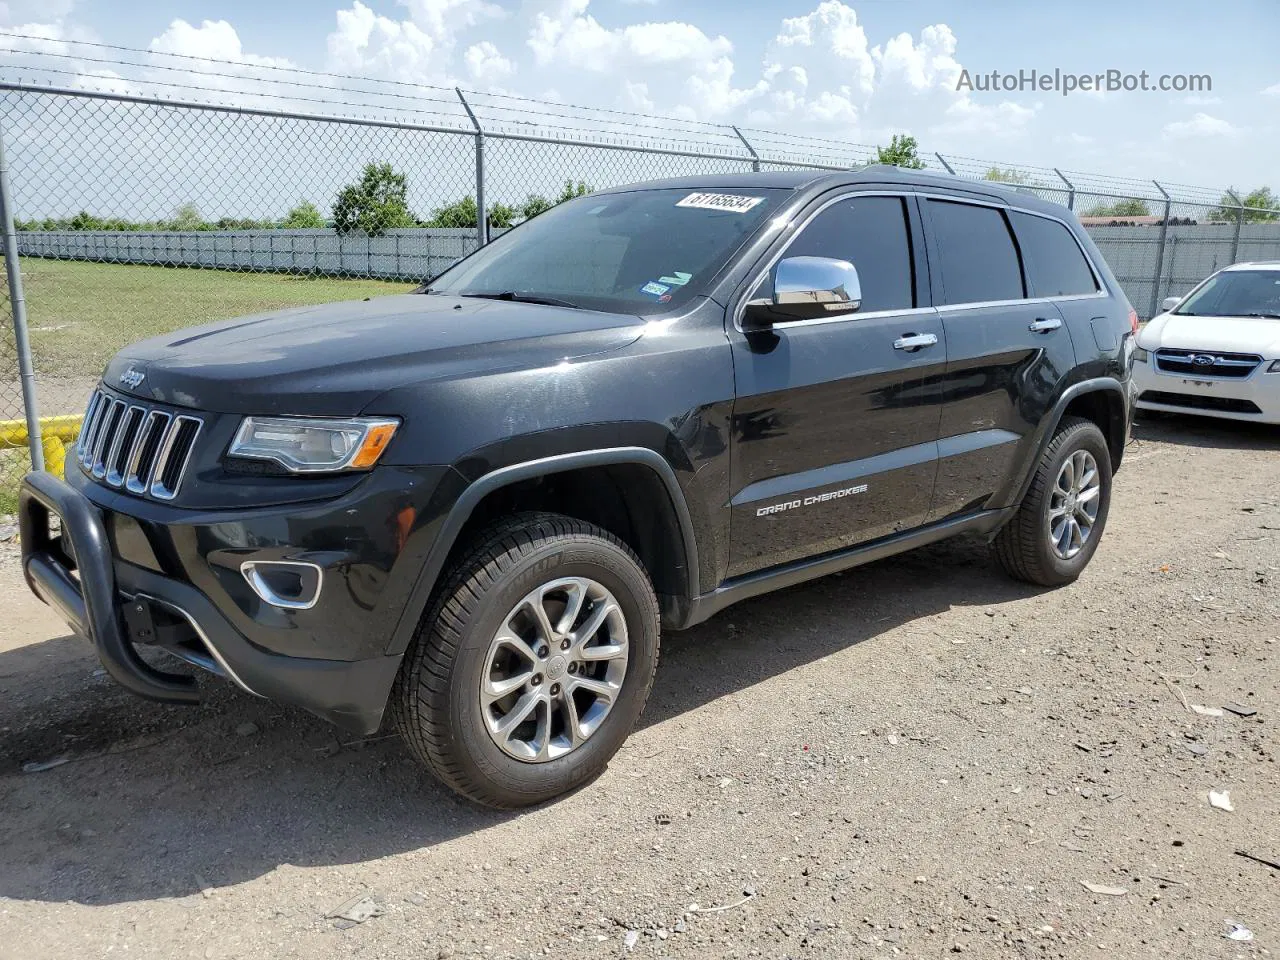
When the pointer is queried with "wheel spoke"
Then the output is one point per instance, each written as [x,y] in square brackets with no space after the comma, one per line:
[509,639]
[537,606]
[518,714]
[594,621]
[602,651]
[572,722]
[577,594]
[497,689]
[1090,493]
[543,734]
[606,691]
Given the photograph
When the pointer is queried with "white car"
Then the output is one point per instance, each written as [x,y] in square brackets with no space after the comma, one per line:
[1216,351]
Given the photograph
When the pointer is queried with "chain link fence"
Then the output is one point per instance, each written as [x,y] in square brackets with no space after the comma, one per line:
[137,215]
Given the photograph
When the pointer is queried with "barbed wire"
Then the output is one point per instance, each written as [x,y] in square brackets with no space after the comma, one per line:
[538,117]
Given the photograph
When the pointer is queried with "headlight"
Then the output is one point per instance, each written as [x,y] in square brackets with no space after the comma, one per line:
[304,445]
[1140,355]
[1275,367]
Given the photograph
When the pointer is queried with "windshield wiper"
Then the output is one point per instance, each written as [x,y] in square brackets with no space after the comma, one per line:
[1268,316]
[515,297]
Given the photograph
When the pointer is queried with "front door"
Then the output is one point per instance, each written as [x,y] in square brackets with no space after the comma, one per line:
[835,420]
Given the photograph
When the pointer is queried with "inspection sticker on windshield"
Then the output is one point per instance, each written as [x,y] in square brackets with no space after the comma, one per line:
[719,201]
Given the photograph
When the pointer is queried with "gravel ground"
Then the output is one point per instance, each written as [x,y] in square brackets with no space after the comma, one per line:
[918,758]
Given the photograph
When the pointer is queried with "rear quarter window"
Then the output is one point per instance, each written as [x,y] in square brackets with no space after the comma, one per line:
[1056,267]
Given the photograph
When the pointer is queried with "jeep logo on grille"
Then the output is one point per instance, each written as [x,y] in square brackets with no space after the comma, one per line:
[1203,360]
[132,378]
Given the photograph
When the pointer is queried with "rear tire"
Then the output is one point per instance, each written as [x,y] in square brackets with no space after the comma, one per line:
[1071,485]
[580,694]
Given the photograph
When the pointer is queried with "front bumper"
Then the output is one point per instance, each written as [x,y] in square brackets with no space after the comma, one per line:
[123,581]
[1255,397]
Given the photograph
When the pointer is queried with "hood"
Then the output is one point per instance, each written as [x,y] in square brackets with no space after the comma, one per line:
[1259,335]
[334,359]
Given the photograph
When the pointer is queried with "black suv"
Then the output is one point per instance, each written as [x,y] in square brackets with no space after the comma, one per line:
[475,505]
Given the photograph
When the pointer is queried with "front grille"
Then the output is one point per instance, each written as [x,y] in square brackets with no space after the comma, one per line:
[141,448]
[1198,402]
[1207,363]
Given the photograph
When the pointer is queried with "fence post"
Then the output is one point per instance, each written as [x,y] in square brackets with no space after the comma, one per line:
[1164,236]
[482,217]
[1071,189]
[945,166]
[755,157]
[19,303]
[1235,239]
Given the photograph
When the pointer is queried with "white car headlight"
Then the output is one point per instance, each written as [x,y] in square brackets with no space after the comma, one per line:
[306,445]
[1275,367]
[1140,355]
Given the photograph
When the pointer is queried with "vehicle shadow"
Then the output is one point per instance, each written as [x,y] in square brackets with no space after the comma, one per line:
[159,801]
[1207,432]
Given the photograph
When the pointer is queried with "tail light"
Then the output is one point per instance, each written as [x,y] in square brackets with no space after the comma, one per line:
[1133,320]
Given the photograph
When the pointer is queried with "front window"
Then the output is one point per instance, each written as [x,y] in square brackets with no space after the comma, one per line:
[1236,293]
[640,252]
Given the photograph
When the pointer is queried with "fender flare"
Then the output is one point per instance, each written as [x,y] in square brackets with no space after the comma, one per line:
[1049,424]
[466,503]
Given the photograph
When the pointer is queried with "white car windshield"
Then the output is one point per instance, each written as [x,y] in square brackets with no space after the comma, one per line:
[1236,293]
[639,252]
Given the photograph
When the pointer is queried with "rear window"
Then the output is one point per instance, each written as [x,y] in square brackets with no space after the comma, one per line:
[1056,267]
[975,249]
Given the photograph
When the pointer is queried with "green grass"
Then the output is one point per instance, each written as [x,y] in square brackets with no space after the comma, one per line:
[80,314]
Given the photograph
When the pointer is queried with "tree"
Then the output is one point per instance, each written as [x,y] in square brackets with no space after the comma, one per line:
[1003,175]
[901,152]
[534,205]
[305,216]
[374,205]
[1260,206]
[501,215]
[186,218]
[1127,207]
[460,213]
[572,191]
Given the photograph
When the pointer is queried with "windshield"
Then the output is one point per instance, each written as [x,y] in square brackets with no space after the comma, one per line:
[641,252]
[1236,293]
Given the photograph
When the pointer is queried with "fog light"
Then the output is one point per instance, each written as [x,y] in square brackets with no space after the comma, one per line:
[291,584]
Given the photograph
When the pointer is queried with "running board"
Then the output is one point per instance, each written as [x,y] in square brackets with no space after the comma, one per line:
[776,578]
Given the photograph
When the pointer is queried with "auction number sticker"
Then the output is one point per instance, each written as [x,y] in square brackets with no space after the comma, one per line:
[719,201]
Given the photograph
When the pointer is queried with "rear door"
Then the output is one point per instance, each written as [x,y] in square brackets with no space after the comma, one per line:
[836,419]
[1007,352]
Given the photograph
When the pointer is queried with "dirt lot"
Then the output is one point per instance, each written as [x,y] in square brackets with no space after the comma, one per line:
[918,758]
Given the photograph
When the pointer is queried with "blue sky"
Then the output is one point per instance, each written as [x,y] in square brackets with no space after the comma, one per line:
[858,70]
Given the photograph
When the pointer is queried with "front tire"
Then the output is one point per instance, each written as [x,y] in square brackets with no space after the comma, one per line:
[1056,529]
[533,664]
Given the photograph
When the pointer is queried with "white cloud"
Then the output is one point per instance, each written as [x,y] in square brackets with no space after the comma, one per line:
[214,39]
[1200,100]
[1201,125]
[1005,119]
[1273,90]
[486,65]
[367,42]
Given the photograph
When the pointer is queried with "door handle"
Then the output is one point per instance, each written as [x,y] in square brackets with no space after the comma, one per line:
[1040,325]
[914,341]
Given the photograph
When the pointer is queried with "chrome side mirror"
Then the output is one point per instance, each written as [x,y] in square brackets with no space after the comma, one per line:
[1168,303]
[805,288]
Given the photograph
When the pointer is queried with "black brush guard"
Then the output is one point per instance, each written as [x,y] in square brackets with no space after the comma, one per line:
[90,603]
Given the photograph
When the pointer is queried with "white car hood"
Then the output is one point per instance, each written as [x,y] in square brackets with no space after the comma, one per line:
[1259,335]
